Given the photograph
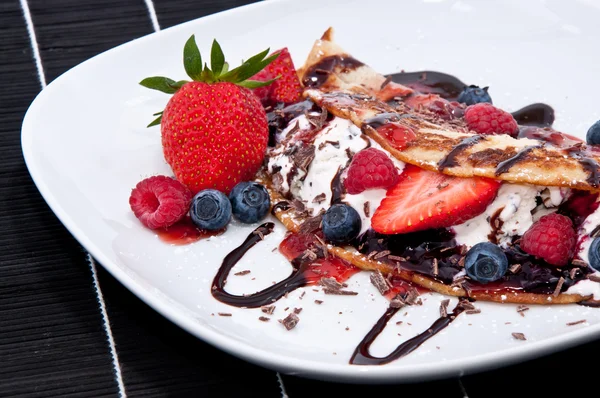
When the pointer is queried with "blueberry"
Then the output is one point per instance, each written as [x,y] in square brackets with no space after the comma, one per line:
[341,223]
[594,254]
[486,262]
[210,210]
[593,135]
[472,95]
[250,202]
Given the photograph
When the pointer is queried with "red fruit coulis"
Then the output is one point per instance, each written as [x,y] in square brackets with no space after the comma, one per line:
[185,232]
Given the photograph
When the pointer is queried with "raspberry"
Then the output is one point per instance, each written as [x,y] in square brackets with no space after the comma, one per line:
[551,238]
[485,118]
[370,169]
[160,201]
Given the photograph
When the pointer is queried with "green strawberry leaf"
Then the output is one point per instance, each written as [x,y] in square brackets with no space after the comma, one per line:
[250,69]
[192,60]
[156,121]
[225,68]
[232,75]
[217,59]
[161,83]
[256,83]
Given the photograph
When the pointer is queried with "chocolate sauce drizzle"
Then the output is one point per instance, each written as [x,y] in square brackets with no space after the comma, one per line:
[318,73]
[283,206]
[506,165]
[590,165]
[266,296]
[361,355]
[450,159]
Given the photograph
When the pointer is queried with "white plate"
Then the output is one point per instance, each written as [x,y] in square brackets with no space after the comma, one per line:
[86,145]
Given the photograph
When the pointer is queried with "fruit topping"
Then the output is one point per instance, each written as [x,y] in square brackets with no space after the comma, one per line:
[160,201]
[250,202]
[214,129]
[594,254]
[552,238]
[210,210]
[425,199]
[286,88]
[593,135]
[370,169]
[472,95]
[435,104]
[341,223]
[397,134]
[485,118]
[485,262]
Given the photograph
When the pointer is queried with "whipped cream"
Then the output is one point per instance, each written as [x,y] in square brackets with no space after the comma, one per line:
[583,238]
[334,145]
[515,202]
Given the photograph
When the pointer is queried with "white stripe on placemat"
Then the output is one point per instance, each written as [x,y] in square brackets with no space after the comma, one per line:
[462,388]
[107,329]
[34,43]
[281,386]
[153,17]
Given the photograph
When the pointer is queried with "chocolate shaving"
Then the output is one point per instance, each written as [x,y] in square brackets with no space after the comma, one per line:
[244,272]
[386,82]
[224,313]
[302,295]
[277,180]
[320,198]
[379,281]
[461,262]
[558,286]
[578,263]
[340,292]
[294,129]
[372,254]
[399,323]
[381,254]
[367,209]
[444,308]
[515,268]
[518,336]
[330,283]
[397,302]
[298,205]
[310,225]
[318,301]
[396,258]
[435,267]
[303,157]
[268,309]
[335,144]
[473,311]
[594,278]
[573,273]
[290,321]
[297,310]
[309,254]
[521,309]
[411,296]
[576,322]
[264,318]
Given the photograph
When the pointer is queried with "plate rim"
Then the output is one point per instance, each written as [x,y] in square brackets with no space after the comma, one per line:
[356,374]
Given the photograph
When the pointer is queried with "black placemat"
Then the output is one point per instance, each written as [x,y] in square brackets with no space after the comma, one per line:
[68,328]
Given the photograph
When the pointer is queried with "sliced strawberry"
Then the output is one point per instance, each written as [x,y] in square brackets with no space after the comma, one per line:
[425,199]
[287,88]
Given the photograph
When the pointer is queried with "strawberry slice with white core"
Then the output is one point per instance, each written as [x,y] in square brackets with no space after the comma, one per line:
[425,199]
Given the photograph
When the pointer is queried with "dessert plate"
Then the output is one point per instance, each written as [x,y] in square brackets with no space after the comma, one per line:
[86,146]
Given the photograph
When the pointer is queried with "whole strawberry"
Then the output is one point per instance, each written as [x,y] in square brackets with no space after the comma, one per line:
[214,129]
